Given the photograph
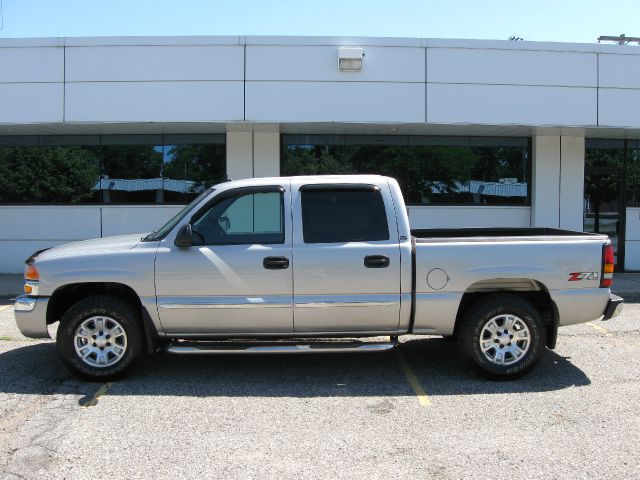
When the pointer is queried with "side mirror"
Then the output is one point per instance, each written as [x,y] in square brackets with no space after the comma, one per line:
[184,238]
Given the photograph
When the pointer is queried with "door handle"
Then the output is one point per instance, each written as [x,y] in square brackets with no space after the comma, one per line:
[376,261]
[275,263]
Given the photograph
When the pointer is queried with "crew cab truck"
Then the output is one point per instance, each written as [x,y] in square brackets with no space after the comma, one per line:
[298,265]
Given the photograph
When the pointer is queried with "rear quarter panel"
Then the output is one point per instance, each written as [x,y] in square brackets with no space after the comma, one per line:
[548,262]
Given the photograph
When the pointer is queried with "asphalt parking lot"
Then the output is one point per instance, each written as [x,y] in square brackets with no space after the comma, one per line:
[415,413]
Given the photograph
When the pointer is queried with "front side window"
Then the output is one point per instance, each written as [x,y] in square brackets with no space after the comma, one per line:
[242,219]
[338,216]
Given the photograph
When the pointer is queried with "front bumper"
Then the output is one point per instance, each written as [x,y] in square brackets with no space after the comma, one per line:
[31,316]
[614,307]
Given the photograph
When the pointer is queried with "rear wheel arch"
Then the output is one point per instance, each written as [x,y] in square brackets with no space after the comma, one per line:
[533,291]
[502,336]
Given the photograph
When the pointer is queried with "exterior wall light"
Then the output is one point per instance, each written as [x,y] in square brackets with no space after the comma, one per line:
[350,59]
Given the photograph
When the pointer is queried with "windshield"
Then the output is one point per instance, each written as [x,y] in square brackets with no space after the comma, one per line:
[160,233]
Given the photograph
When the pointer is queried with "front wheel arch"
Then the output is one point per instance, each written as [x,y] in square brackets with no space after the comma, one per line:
[74,336]
[64,297]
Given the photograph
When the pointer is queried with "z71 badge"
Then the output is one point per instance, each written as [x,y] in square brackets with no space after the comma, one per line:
[574,277]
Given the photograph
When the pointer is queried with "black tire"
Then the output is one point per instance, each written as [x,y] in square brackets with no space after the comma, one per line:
[100,305]
[478,316]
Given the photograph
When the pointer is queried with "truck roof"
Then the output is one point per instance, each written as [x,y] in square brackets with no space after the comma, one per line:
[310,179]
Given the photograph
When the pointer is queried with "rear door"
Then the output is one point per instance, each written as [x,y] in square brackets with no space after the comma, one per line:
[346,258]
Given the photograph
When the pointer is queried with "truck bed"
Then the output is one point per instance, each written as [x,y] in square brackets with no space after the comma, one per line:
[501,234]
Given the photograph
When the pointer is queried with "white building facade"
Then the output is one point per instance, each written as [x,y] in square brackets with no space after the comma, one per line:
[107,136]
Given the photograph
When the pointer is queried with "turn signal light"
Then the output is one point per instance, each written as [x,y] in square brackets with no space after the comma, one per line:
[28,288]
[31,273]
[607,266]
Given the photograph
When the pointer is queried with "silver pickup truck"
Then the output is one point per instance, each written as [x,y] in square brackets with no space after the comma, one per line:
[302,264]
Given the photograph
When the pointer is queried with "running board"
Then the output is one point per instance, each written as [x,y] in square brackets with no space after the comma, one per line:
[223,348]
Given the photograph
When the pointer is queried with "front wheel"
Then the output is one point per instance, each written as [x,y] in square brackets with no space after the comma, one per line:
[502,336]
[99,338]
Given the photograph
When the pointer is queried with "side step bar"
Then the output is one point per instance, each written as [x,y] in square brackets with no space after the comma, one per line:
[224,348]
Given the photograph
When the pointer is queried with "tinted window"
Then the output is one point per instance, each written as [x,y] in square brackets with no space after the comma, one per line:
[242,219]
[109,168]
[343,216]
[61,174]
[430,170]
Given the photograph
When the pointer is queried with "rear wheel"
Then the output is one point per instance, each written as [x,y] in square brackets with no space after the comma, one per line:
[99,338]
[502,337]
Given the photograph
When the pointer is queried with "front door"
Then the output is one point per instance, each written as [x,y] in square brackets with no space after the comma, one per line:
[346,259]
[237,275]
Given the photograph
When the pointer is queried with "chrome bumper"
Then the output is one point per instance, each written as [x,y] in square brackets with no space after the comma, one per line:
[31,316]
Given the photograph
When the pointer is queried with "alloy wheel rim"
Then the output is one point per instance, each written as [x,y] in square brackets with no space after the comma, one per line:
[505,339]
[100,341]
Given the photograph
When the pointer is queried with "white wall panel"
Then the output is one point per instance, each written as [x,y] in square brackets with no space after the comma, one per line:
[507,104]
[320,63]
[632,230]
[545,188]
[619,71]
[334,102]
[13,253]
[154,101]
[145,63]
[460,217]
[55,225]
[618,107]
[632,239]
[31,64]
[512,67]
[632,255]
[266,156]
[130,219]
[31,102]
[239,155]
[63,223]
[571,183]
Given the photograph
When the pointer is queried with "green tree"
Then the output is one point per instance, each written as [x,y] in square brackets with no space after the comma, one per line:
[203,164]
[47,174]
[130,161]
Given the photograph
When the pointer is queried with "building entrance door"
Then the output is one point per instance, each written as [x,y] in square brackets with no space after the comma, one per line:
[604,207]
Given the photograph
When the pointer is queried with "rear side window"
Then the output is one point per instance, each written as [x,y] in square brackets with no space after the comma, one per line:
[338,216]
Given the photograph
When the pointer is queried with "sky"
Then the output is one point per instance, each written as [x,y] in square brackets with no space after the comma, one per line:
[540,20]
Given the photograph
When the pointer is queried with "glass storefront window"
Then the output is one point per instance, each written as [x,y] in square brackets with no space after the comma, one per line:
[109,168]
[632,174]
[430,170]
[51,173]
[190,164]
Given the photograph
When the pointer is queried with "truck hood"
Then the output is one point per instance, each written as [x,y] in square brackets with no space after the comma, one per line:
[99,245]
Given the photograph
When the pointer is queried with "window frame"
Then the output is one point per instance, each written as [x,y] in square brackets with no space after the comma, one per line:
[239,192]
[342,187]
